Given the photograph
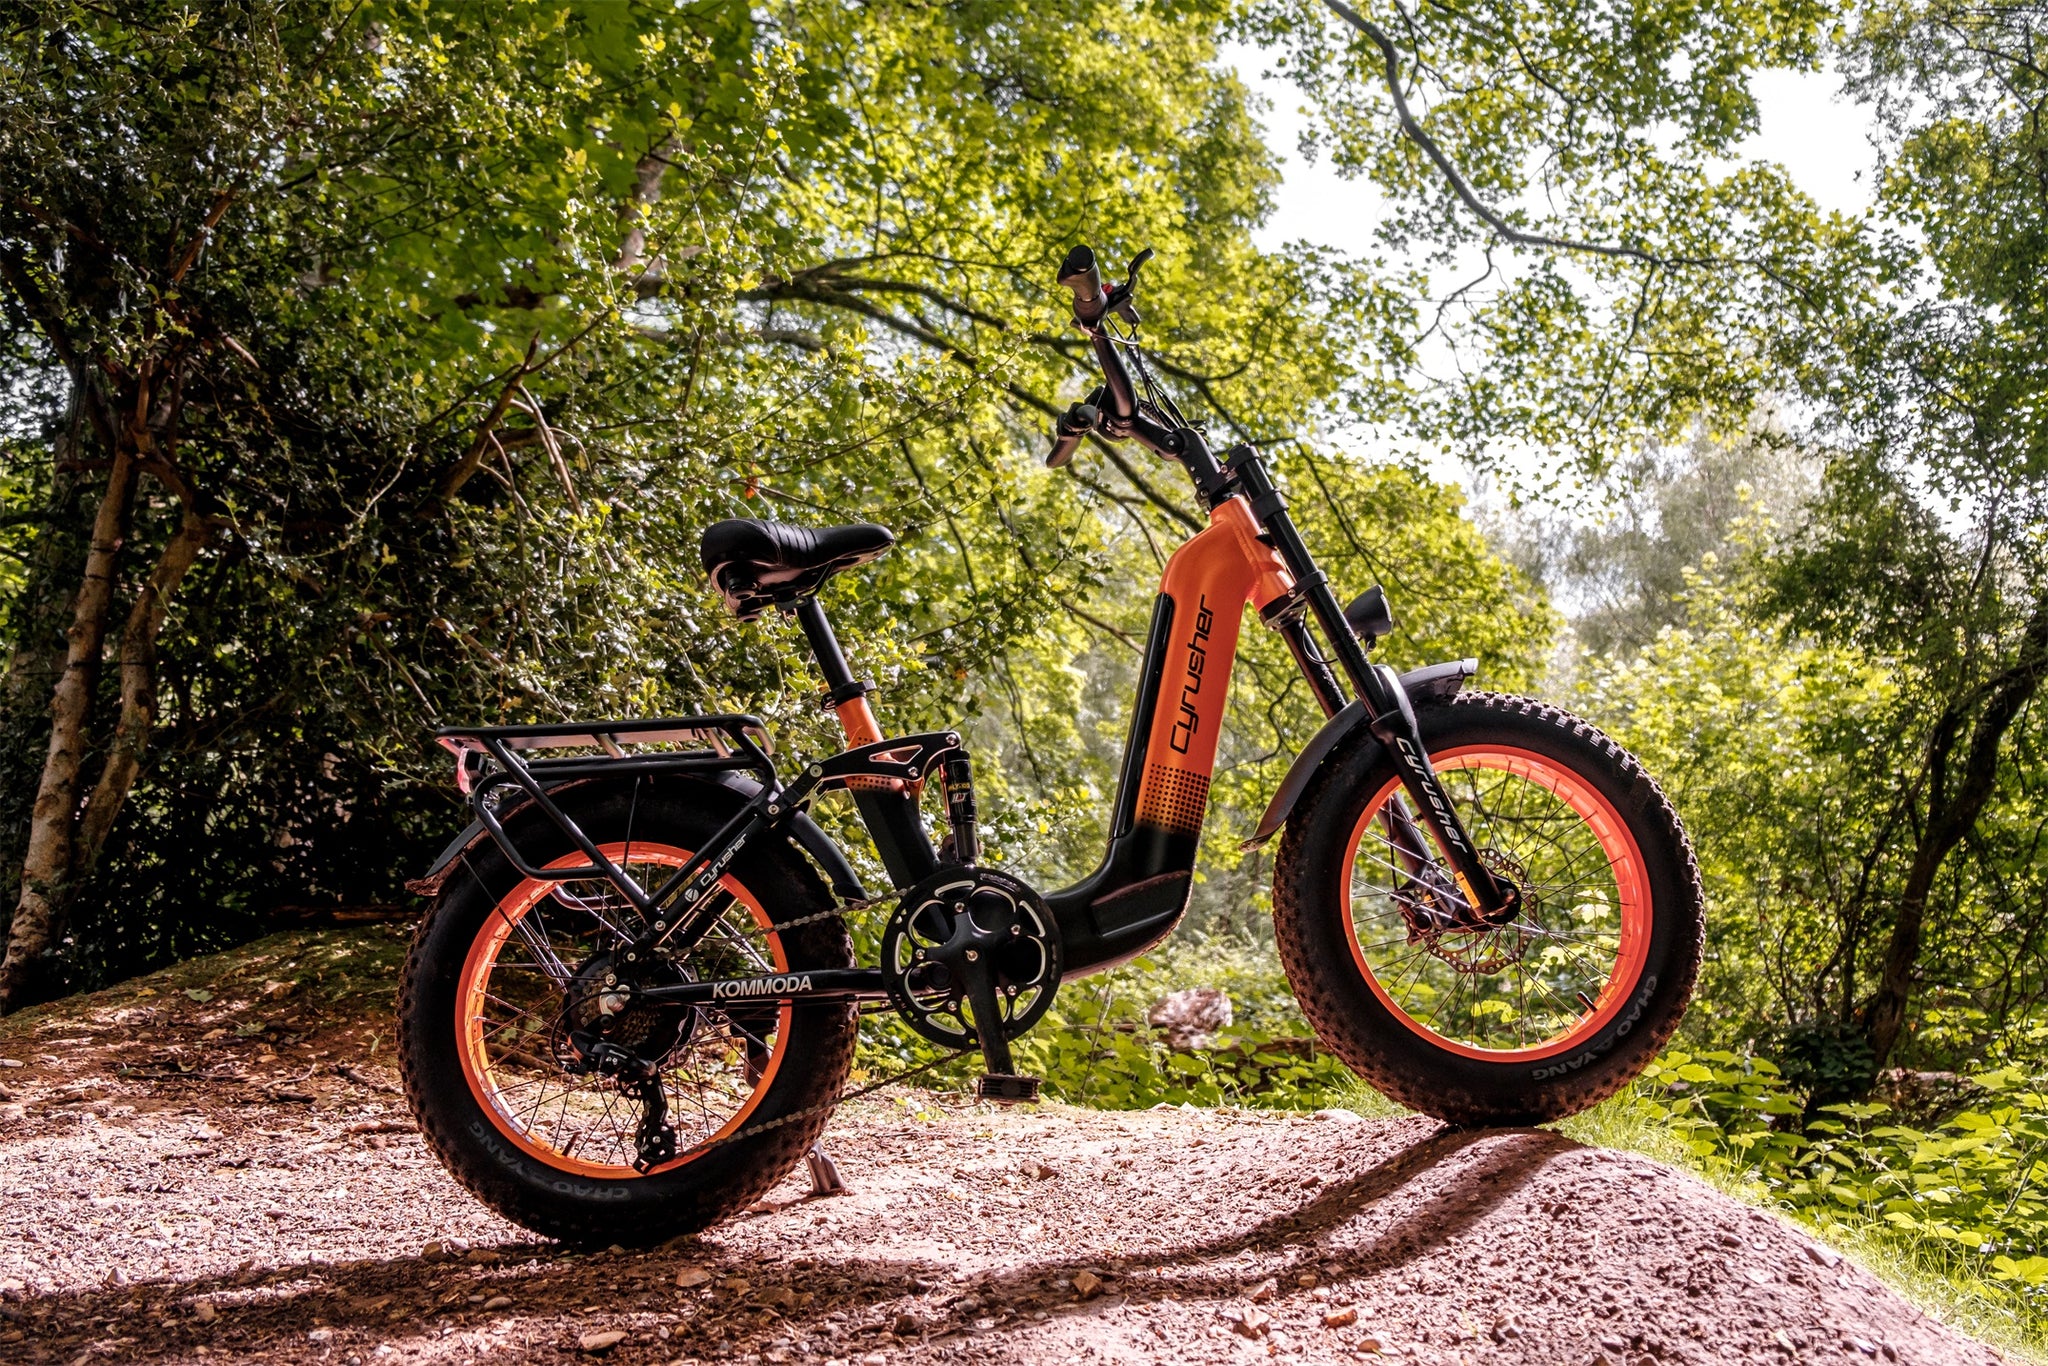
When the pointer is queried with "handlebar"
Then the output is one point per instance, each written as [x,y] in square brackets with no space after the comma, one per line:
[1078,421]
[1113,409]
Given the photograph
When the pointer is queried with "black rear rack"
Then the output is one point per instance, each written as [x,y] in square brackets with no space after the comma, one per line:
[488,758]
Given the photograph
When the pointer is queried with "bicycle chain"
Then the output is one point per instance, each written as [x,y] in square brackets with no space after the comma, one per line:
[827,1107]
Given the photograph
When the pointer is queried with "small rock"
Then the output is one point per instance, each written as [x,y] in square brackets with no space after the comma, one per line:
[320,1335]
[1646,1360]
[690,1277]
[1612,1343]
[1821,1256]
[1036,1170]
[600,1342]
[1340,1318]
[1264,1290]
[1087,1285]
[906,1325]
[1342,1116]
[13,1112]
[1252,1323]
[498,1302]
[10,1062]
[205,1312]
[1306,1280]
[1601,1359]
[874,1359]
[1190,1018]
[1868,1349]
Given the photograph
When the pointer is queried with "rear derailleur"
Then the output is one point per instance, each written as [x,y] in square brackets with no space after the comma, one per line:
[603,1032]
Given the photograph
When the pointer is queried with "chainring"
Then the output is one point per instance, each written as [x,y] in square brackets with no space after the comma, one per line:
[948,921]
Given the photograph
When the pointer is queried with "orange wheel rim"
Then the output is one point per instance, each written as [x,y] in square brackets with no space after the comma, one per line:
[1545,983]
[584,1125]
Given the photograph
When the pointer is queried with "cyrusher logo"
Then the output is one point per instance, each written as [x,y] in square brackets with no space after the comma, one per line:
[1198,659]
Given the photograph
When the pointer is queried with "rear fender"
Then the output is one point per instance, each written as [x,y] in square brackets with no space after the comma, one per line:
[1431,686]
[831,860]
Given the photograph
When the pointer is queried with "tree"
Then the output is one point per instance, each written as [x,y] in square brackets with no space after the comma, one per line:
[487,314]
[1645,280]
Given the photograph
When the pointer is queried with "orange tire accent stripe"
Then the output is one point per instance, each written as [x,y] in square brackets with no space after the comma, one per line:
[475,979]
[1624,860]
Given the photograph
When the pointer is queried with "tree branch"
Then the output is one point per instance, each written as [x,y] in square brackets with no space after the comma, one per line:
[1449,171]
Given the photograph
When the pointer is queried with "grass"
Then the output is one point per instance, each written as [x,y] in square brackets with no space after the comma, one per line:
[1925,1271]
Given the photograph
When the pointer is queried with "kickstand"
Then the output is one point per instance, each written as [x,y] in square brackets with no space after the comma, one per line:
[825,1178]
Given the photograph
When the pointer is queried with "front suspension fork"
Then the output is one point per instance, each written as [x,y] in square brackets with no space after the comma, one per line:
[1493,900]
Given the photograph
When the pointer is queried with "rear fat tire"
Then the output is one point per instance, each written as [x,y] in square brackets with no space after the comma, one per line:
[633,1210]
[1310,921]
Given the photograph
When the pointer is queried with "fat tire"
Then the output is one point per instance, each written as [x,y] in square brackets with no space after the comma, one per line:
[638,1210]
[1314,941]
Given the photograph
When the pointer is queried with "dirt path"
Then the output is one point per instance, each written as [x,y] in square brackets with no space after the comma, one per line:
[275,1205]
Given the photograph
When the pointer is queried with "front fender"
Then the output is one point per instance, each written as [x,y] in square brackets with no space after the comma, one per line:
[1427,686]
[830,859]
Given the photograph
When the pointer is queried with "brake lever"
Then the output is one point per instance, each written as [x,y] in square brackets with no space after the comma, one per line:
[1124,292]
[1117,298]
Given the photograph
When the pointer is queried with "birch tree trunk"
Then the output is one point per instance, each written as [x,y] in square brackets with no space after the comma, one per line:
[47,862]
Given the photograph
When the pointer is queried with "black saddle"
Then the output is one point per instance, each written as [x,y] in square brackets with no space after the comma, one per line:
[755,565]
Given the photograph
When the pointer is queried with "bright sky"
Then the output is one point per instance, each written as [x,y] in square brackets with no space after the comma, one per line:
[1819,137]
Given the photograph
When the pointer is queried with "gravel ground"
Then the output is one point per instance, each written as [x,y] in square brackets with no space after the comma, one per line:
[259,1195]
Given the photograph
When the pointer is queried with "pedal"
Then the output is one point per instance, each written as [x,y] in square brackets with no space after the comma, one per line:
[1005,1088]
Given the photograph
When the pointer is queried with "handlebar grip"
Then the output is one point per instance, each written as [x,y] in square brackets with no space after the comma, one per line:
[1078,421]
[1080,274]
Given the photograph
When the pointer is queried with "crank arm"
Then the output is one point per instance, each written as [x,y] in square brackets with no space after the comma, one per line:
[786,988]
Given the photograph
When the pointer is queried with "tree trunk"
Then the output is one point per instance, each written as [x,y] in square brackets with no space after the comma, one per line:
[47,861]
[138,691]
[36,646]
[1950,819]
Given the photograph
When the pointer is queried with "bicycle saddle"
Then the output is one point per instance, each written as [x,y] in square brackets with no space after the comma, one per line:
[755,564]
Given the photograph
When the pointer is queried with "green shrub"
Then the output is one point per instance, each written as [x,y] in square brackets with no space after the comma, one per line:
[1095,1048]
[1967,1195]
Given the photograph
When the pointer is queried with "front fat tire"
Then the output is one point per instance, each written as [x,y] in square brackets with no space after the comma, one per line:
[633,1210]
[1310,921]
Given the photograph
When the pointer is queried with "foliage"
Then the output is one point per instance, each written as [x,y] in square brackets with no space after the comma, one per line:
[1968,1188]
[504,308]
[1095,1048]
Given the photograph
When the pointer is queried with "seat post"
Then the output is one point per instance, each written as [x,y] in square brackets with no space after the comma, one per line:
[849,695]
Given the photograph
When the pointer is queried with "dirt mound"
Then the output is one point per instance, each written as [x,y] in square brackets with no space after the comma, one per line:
[232,1178]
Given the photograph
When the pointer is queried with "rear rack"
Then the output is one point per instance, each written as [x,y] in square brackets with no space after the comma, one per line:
[488,758]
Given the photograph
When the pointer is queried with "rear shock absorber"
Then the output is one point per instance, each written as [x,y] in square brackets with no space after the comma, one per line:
[957,775]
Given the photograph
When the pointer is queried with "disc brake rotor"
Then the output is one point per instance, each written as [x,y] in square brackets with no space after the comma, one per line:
[1448,933]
